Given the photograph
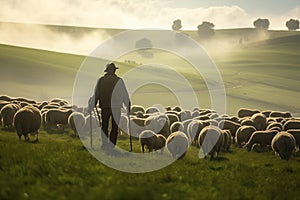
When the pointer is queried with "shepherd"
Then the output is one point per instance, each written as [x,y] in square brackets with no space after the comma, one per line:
[111,94]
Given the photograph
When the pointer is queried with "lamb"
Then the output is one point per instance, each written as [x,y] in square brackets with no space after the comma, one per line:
[177,144]
[27,120]
[246,112]
[263,138]
[7,114]
[243,134]
[152,141]
[57,117]
[280,114]
[76,122]
[229,125]
[283,144]
[260,121]
[291,124]
[211,141]
[136,108]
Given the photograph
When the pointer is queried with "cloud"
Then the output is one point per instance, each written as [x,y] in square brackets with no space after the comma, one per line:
[117,13]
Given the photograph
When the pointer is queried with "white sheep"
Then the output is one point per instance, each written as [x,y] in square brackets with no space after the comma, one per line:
[263,138]
[296,134]
[243,134]
[194,129]
[57,118]
[260,121]
[177,144]
[283,144]
[210,140]
[27,120]
[152,141]
[76,121]
[7,114]
[229,125]
[227,140]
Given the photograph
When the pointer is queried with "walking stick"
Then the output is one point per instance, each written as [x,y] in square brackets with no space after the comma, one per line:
[130,137]
[91,127]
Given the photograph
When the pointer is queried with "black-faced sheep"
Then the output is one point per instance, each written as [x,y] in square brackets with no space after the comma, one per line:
[291,124]
[177,144]
[27,120]
[7,114]
[283,144]
[246,112]
[152,141]
[263,138]
[210,140]
[243,134]
[76,122]
[260,121]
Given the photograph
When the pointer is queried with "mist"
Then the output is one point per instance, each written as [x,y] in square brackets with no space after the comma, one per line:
[50,38]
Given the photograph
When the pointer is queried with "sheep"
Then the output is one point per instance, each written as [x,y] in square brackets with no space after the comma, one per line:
[266,113]
[210,140]
[291,124]
[296,134]
[3,103]
[177,144]
[246,112]
[22,99]
[57,117]
[283,144]
[7,114]
[227,140]
[275,125]
[229,125]
[247,122]
[60,101]
[152,110]
[137,125]
[136,108]
[203,117]
[5,98]
[263,138]
[76,122]
[176,126]
[210,122]
[177,109]
[195,113]
[243,134]
[152,141]
[184,115]
[159,124]
[196,109]
[194,129]
[260,121]
[27,120]
[172,118]
[280,114]
[213,116]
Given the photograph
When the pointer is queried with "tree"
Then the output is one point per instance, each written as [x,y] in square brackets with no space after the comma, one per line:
[262,24]
[292,24]
[206,29]
[176,25]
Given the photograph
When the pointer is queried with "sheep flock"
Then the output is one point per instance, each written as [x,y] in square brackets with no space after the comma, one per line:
[172,130]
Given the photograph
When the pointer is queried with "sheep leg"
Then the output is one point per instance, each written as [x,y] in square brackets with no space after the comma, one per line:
[143,148]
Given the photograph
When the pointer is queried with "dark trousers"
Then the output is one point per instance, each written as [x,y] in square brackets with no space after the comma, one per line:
[114,114]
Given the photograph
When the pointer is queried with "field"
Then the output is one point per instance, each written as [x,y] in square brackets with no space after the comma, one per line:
[258,73]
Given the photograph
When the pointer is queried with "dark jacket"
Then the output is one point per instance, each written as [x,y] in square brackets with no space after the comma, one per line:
[110,92]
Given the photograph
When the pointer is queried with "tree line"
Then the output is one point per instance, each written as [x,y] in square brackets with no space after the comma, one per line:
[206,29]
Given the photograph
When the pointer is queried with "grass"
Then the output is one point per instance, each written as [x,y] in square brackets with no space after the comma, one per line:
[260,73]
[59,167]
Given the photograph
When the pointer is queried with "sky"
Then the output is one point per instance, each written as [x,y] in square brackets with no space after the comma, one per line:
[140,14]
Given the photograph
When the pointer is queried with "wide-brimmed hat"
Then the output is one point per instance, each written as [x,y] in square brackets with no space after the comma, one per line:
[110,67]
